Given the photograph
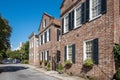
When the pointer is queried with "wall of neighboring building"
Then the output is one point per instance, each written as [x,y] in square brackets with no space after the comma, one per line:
[101,28]
[117,21]
[33,51]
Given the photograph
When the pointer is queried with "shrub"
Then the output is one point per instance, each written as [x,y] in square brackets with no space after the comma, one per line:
[45,63]
[25,62]
[41,62]
[118,74]
[68,64]
[48,66]
[60,68]
[88,63]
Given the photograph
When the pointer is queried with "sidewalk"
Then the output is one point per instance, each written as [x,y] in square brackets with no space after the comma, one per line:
[55,74]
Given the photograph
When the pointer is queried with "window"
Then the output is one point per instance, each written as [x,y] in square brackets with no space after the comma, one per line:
[58,35]
[43,38]
[41,56]
[95,8]
[91,50]
[70,53]
[48,35]
[78,16]
[44,23]
[66,25]
[46,55]
[39,40]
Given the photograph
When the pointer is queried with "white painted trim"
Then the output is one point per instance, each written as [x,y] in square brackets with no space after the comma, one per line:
[91,18]
[75,17]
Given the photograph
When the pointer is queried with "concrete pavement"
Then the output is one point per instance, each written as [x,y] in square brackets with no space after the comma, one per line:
[55,74]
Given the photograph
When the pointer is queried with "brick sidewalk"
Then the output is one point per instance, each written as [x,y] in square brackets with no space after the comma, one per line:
[55,74]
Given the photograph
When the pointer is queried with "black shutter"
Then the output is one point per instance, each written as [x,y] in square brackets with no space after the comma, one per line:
[73,53]
[58,56]
[95,51]
[41,39]
[58,34]
[63,26]
[83,13]
[44,55]
[103,6]
[65,53]
[47,55]
[49,34]
[87,12]
[71,20]
[45,37]
[70,26]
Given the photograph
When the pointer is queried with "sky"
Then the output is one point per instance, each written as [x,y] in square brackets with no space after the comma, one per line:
[24,16]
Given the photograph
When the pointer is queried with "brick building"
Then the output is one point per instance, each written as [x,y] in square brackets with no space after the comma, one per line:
[90,28]
[33,49]
[49,37]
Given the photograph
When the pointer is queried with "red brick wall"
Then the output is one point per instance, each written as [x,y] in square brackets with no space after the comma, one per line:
[101,28]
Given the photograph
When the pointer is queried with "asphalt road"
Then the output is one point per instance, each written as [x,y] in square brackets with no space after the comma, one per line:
[20,72]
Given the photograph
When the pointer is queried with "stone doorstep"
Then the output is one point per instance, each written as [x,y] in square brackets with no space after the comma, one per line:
[55,74]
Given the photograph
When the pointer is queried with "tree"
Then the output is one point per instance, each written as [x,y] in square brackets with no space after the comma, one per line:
[25,51]
[5,33]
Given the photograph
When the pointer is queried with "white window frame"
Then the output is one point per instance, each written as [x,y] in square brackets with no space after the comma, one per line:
[84,49]
[41,56]
[67,58]
[47,35]
[40,40]
[91,11]
[43,38]
[75,24]
[44,23]
[46,55]
[66,30]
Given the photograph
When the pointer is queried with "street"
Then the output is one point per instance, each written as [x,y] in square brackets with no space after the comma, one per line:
[20,72]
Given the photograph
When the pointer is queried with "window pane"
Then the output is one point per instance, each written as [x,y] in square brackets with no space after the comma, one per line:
[66,23]
[78,16]
[96,8]
[89,49]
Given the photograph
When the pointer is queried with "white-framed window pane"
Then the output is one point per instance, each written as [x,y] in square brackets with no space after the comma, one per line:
[44,23]
[78,16]
[43,38]
[46,55]
[48,35]
[89,49]
[69,52]
[66,25]
[95,8]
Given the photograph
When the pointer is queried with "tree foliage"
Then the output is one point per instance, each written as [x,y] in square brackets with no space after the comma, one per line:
[5,33]
[117,52]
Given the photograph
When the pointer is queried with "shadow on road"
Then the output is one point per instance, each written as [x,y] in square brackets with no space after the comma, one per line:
[11,68]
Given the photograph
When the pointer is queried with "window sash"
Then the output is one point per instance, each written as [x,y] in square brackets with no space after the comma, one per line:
[88,49]
[66,23]
[69,52]
[78,16]
[48,35]
[46,55]
[95,8]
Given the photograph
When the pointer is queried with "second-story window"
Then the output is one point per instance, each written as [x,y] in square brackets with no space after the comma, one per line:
[95,8]
[66,23]
[43,38]
[78,16]
[48,35]
[44,23]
